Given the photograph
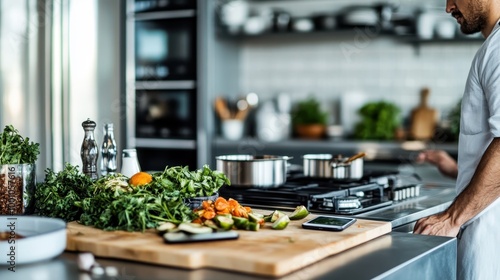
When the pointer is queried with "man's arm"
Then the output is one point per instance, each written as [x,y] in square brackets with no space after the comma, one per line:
[442,160]
[483,189]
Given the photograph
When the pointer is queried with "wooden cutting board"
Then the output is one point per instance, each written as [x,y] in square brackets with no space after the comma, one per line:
[423,119]
[265,252]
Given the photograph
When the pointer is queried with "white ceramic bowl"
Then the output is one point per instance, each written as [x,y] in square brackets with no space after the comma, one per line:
[44,238]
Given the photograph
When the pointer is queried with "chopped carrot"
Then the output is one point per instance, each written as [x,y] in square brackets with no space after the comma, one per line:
[233,204]
[249,210]
[206,204]
[225,211]
[197,221]
[221,204]
[209,215]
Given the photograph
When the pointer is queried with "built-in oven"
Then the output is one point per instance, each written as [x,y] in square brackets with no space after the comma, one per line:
[163,5]
[166,114]
[165,45]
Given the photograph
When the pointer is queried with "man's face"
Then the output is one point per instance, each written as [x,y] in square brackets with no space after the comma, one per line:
[470,14]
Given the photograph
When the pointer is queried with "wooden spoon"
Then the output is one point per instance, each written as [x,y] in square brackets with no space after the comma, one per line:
[354,157]
[221,108]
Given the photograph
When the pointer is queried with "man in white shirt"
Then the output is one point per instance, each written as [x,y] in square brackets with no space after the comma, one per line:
[474,216]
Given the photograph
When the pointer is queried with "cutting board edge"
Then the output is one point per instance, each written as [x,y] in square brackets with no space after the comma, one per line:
[386,227]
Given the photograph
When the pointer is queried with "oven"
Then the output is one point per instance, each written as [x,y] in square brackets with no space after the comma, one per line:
[141,6]
[166,114]
[165,42]
[162,123]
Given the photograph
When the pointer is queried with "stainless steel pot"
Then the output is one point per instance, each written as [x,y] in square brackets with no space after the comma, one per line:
[254,171]
[329,166]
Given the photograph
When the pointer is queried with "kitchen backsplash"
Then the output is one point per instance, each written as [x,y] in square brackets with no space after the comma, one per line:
[360,66]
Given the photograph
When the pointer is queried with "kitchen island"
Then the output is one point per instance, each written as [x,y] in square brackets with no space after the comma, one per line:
[392,256]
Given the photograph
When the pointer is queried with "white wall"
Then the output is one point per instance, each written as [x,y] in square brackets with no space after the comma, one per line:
[380,68]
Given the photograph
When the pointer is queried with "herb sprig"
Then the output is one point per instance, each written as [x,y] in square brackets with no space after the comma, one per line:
[14,149]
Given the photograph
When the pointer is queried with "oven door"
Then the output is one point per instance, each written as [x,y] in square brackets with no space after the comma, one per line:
[166,114]
[165,46]
[141,6]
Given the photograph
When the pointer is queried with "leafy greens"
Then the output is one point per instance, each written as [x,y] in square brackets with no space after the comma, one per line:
[111,203]
[60,194]
[14,149]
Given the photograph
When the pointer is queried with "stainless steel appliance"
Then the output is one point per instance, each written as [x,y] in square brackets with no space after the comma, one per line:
[163,116]
[165,45]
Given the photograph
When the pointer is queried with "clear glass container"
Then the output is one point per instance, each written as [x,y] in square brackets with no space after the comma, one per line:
[108,151]
[17,189]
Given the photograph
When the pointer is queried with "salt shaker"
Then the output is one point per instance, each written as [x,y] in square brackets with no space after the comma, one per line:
[108,151]
[130,163]
[89,151]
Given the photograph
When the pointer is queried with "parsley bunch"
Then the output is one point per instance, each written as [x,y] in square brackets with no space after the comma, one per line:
[61,193]
[14,149]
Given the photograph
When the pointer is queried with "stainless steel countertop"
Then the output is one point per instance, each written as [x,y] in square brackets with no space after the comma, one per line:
[433,199]
[392,256]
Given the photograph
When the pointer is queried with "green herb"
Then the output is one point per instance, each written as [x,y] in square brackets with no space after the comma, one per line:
[14,149]
[379,121]
[111,203]
[61,193]
[115,205]
[179,181]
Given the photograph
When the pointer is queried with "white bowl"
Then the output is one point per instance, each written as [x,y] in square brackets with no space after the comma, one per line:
[43,238]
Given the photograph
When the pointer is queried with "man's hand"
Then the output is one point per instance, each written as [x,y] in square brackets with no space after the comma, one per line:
[442,160]
[440,224]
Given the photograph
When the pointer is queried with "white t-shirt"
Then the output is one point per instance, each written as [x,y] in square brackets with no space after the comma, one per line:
[480,119]
[478,249]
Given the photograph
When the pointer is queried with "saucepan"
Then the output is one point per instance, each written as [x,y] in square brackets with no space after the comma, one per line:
[266,171]
[335,167]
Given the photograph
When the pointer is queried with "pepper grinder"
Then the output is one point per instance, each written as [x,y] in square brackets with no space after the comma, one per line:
[89,151]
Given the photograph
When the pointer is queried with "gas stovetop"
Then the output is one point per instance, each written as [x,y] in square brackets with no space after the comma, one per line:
[375,190]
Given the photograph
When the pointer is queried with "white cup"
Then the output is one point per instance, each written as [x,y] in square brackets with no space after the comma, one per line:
[232,129]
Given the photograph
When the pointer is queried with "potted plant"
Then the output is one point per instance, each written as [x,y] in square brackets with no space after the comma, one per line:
[309,121]
[17,172]
[379,121]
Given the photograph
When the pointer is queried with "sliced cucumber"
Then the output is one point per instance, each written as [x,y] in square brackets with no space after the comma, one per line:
[281,223]
[240,222]
[165,226]
[224,222]
[254,217]
[300,213]
[193,228]
[211,224]
[276,215]
[253,226]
